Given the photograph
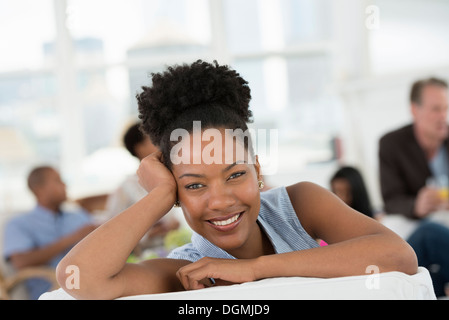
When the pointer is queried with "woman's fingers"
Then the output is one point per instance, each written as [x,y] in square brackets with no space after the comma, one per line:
[196,275]
[225,271]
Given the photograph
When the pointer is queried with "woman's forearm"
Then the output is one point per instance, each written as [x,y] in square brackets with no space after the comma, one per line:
[102,254]
[352,257]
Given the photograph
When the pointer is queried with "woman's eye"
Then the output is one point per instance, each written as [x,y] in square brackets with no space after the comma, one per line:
[236,175]
[194,186]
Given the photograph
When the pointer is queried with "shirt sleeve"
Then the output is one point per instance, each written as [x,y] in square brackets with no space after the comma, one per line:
[186,252]
[16,239]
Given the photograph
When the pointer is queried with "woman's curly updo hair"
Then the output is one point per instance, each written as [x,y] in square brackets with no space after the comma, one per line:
[215,95]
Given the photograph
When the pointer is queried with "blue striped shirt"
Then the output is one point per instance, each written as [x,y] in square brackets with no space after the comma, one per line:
[277,218]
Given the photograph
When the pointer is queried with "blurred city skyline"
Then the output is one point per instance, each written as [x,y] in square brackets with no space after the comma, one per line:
[70,70]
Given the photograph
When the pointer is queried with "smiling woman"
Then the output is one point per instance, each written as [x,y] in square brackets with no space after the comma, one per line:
[240,234]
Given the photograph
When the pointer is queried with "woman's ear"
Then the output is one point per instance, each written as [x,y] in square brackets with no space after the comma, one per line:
[257,167]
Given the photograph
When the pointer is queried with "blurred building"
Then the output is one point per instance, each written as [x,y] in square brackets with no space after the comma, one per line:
[318,72]
[164,44]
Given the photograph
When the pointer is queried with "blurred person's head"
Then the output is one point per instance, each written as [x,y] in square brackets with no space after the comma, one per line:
[138,143]
[429,103]
[347,183]
[47,186]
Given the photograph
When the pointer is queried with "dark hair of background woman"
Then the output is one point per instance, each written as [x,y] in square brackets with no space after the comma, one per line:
[360,198]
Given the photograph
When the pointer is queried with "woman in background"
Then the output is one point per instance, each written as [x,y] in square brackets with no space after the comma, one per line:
[347,183]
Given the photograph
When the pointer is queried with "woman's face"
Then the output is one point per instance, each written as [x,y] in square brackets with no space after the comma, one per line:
[342,189]
[220,201]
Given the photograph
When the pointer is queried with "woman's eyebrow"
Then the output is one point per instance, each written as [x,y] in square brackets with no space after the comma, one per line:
[191,175]
[196,175]
[232,165]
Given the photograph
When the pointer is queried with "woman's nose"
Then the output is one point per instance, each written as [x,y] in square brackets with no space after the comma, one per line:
[220,198]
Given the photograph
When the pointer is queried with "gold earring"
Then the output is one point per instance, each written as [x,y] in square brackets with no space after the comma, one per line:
[261,184]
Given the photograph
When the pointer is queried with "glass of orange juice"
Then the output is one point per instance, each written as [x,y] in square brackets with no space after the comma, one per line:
[441,184]
[444,193]
[443,187]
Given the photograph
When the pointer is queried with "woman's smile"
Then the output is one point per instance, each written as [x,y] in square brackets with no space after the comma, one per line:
[226,223]
[221,201]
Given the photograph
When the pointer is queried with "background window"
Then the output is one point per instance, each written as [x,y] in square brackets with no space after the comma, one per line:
[70,70]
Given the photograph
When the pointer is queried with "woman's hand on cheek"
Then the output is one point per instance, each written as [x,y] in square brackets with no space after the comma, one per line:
[197,275]
[153,173]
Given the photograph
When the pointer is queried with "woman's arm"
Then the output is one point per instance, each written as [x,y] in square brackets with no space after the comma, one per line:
[101,256]
[355,240]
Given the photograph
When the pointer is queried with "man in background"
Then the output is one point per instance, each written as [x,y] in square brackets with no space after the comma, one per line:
[409,156]
[44,235]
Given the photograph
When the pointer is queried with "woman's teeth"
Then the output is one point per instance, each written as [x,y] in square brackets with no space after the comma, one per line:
[226,222]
